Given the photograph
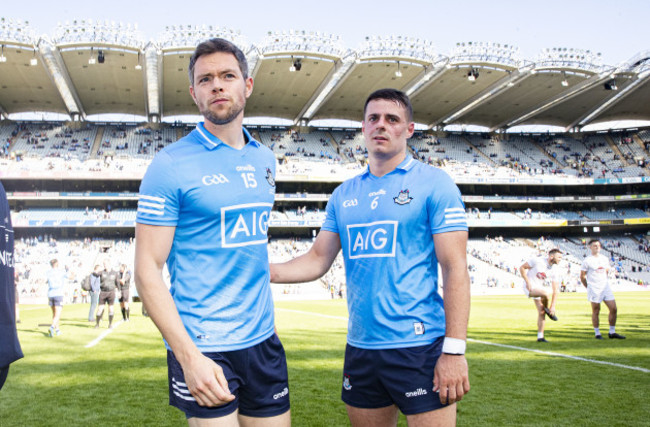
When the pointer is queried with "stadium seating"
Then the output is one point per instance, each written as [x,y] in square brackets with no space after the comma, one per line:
[135,142]
[55,141]
[463,155]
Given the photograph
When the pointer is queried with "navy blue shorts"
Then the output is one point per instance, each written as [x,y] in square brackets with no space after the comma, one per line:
[257,377]
[402,376]
[55,301]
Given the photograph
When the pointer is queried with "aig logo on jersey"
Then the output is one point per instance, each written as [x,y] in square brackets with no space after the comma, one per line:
[244,225]
[376,239]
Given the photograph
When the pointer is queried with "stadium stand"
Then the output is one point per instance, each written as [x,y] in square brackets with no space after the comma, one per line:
[134,142]
[316,145]
[460,154]
[51,140]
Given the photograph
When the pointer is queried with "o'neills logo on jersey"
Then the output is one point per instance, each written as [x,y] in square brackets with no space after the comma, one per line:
[247,168]
[245,225]
[381,192]
[376,239]
[541,275]
[403,198]
[269,177]
[416,393]
[283,393]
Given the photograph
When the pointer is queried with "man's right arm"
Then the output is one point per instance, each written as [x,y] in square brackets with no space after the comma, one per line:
[204,378]
[311,265]
[583,278]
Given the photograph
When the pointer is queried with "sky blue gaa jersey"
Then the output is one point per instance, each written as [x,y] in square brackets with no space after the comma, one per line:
[386,227]
[219,199]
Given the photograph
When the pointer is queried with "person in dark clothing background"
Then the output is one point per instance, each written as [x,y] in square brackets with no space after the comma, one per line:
[109,280]
[125,286]
[10,350]
[95,283]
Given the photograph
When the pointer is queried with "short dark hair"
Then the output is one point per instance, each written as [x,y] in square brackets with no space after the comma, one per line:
[554,251]
[391,95]
[594,241]
[218,45]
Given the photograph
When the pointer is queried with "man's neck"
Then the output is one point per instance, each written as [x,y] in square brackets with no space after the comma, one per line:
[380,166]
[230,134]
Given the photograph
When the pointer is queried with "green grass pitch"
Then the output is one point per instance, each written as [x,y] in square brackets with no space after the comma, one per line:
[122,380]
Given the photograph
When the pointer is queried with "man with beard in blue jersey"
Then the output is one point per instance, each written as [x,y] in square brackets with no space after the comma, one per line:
[203,209]
[396,222]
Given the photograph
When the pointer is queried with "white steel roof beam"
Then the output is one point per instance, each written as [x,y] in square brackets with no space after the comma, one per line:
[58,73]
[152,80]
[642,78]
[564,96]
[492,91]
[340,72]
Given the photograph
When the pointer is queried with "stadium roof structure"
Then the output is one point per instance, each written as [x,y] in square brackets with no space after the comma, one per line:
[92,67]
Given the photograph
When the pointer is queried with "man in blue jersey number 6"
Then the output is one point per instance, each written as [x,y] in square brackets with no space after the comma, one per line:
[396,222]
[203,209]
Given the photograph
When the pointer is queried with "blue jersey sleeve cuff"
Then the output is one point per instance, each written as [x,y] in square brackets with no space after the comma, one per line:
[148,221]
[450,228]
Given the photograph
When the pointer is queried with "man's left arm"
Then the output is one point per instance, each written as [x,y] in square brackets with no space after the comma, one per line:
[451,378]
[555,285]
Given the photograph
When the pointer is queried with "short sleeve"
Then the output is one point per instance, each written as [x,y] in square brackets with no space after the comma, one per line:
[556,274]
[159,198]
[584,266]
[445,206]
[330,223]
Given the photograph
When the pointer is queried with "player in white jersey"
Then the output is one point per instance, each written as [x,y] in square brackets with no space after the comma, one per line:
[395,223]
[203,210]
[537,272]
[593,275]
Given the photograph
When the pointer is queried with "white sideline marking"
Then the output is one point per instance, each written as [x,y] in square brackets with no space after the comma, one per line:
[514,347]
[568,356]
[103,335]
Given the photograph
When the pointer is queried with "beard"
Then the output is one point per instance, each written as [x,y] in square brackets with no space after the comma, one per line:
[225,118]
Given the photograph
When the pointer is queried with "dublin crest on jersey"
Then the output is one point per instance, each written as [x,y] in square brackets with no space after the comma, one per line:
[403,197]
[269,177]
[346,382]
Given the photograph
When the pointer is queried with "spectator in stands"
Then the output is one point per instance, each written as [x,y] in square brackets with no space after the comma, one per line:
[537,272]
[107,285]
[426,346]
[56,278]
[10,350]
[225,361]
[95,282]
[124,286]
[593,275]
